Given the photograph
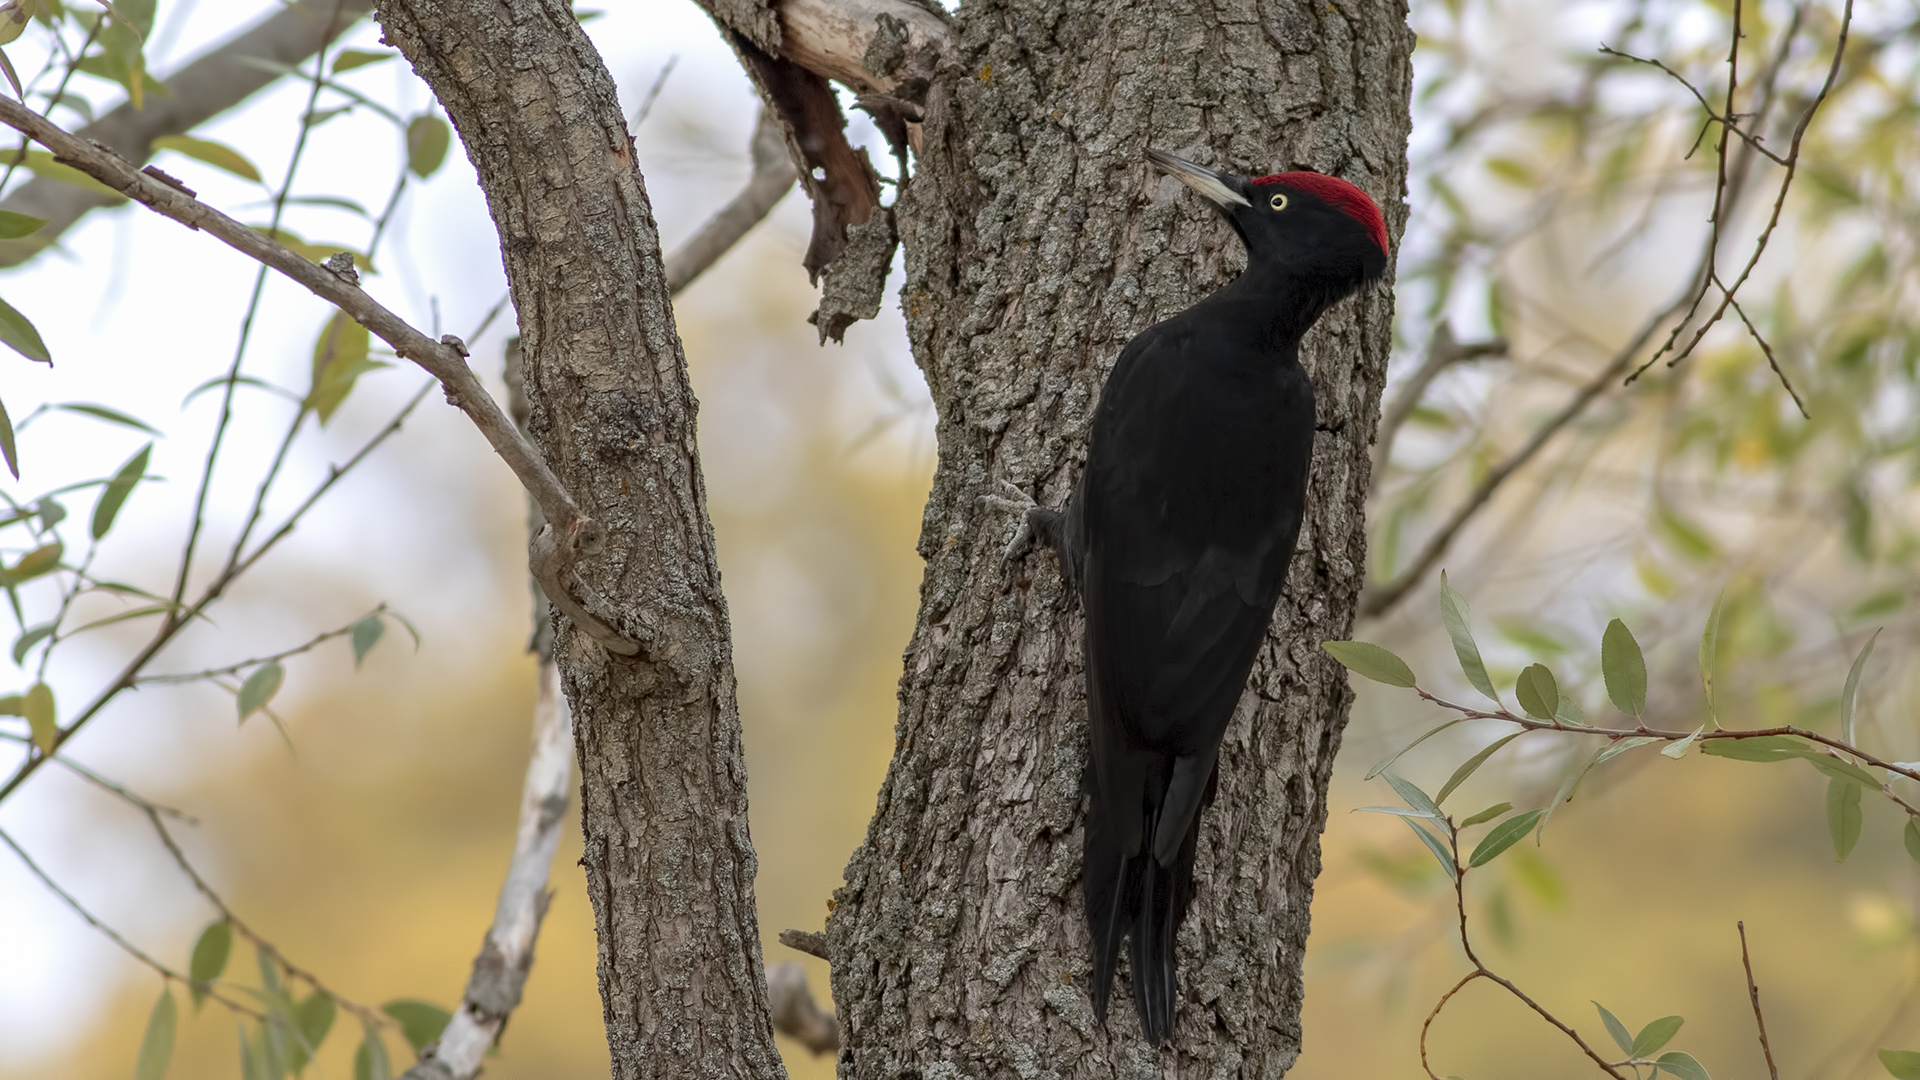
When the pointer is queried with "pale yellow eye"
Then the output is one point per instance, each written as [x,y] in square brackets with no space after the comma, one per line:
[1278,202]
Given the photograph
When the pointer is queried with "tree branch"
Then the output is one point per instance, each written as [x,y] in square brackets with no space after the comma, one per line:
[1729,187]
[506,955]
[773,175]
[1442,353]
[554,549]
[214,82]
[795,1014]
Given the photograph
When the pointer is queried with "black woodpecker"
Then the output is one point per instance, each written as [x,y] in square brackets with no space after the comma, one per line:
[1177,539]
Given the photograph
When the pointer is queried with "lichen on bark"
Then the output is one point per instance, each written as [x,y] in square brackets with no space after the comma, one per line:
[1037,242]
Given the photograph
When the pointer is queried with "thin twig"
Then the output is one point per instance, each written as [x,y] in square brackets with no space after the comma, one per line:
[1481,971]
[1712,117]
[1753,992]
[366,1014]
[130,672]
[1728,292]
[120,791]
[114,935]
[1468,712]
[235,668]
[1377,600]
[773,176]
[571,532]
[1772,362]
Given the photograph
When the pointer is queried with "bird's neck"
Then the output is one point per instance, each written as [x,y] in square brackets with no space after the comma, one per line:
[1274,306]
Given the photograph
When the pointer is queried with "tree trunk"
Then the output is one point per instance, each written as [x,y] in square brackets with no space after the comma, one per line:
[663,783]
[1037,242]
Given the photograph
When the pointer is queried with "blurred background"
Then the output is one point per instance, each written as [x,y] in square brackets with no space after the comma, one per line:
[1554,209]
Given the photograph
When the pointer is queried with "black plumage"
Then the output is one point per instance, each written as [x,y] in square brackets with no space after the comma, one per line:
[1177,539]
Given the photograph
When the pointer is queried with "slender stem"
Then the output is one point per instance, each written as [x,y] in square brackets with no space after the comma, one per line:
[253,309]
[130,673]
[1481,971]
[120,791]
[1753,993]
[367,1014]
[73,65]
[236,668]
[114,935]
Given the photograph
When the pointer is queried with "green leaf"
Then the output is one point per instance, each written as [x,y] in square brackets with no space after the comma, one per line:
[1387,763]
[1679,750]
[209,958]
[312,1019]
[111,416]
[1655,1035]
[428,138]
[1565,794]
[1503,836]
[1848,695]
[1467,767]
[1621,746]
[13,77]
[1625,669]
[41,560]
[1488,814]
[41,163]
[339,359]
[1398,811]
[1371,661]
[14,226]
[1836,769]
[370,1061]
[218,155]
[348,59]
[156,1046]
[1843,816]
[6,443]
[1413,796]
[260,687]
[16,705]
[421,1022]
[1616,1029]
[114,496]
[252,1067]
[18,334]
[1904,1064]
[1683,1066]
[1434,845]
[1761,748]
[1539,695]
[1455,614]
[42,718]
[366,634]
[1911,836]
[29,639]
[1709,655]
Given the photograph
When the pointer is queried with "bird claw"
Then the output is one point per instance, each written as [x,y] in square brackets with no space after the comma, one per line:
[1014,501]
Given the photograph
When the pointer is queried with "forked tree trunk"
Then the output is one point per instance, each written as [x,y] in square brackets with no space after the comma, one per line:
[1037,242]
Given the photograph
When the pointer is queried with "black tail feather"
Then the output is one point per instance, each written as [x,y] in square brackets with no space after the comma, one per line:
[1108,879]
[1133,896]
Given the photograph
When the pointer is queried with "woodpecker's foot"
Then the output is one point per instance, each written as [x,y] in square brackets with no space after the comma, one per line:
[1015,501]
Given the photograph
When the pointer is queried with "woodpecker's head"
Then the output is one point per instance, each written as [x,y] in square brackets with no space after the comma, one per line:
[1302,224]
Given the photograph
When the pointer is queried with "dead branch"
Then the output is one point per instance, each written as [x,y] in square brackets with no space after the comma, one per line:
[1753,993]
[795,1014]
[506,955]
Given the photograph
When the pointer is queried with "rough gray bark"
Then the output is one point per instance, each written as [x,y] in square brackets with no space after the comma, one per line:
[214,82]
[1038,241]
[663,784]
